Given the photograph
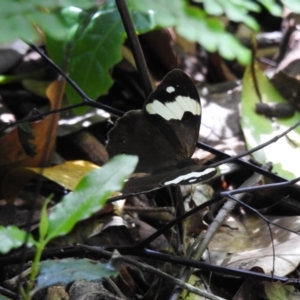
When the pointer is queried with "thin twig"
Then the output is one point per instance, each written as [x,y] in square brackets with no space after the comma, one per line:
[272,140]
[150,209]
[221,216]
[205,239]
[8,293]
[227,158]
[135,47]
[115,288]
[159,273]
[259,188]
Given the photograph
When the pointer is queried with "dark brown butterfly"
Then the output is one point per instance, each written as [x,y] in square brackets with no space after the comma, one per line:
[163,135]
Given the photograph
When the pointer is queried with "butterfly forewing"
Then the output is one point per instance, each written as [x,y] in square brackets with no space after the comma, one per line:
[174,107]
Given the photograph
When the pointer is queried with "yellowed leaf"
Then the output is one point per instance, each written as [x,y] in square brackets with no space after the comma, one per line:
[67,174]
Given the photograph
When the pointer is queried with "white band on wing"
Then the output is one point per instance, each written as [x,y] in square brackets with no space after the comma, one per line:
[190,177]
[175,109]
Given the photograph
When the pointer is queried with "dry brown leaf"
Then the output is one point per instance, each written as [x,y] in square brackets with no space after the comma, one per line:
[145,230]
[126,282]
[12,154]
[248,244]
[250,290]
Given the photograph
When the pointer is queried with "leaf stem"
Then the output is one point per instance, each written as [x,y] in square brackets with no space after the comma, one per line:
[35,267]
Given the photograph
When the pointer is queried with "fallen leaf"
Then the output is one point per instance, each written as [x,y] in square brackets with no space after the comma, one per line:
[247,244]
[12,153]
[67,174]
[278,291]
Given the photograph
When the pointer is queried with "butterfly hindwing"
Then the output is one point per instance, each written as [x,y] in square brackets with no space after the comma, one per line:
[134,134]
[185,176]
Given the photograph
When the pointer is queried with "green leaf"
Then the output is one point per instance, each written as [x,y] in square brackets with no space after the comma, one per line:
[239,13]
[90,195]
[68,270]
[44,222]
[12,237]
[273,7]
[142,22]
[17,18]
[249,5]
[235,10]
[14,27]
[51,24]
[229,48]
[194,24]
[92,46]
[57,46]
[258,129]
[95,51]
[213,7]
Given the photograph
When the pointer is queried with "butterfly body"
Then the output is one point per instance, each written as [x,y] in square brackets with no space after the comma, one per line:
[163,134]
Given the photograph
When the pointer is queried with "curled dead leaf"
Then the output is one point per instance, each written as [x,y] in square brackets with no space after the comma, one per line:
[12,153]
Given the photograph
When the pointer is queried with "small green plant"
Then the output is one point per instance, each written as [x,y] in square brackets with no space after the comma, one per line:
[88,197]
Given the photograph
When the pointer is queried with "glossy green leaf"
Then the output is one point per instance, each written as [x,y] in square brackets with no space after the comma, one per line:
[95,51]
[67,270]
[12,237]
[93,46]
[90,195]
[258,129]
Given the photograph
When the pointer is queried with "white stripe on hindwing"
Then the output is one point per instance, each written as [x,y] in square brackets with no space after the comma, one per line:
[175,109]
[190,177]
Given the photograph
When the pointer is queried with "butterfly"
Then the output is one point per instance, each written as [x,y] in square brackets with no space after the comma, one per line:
[163,135]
